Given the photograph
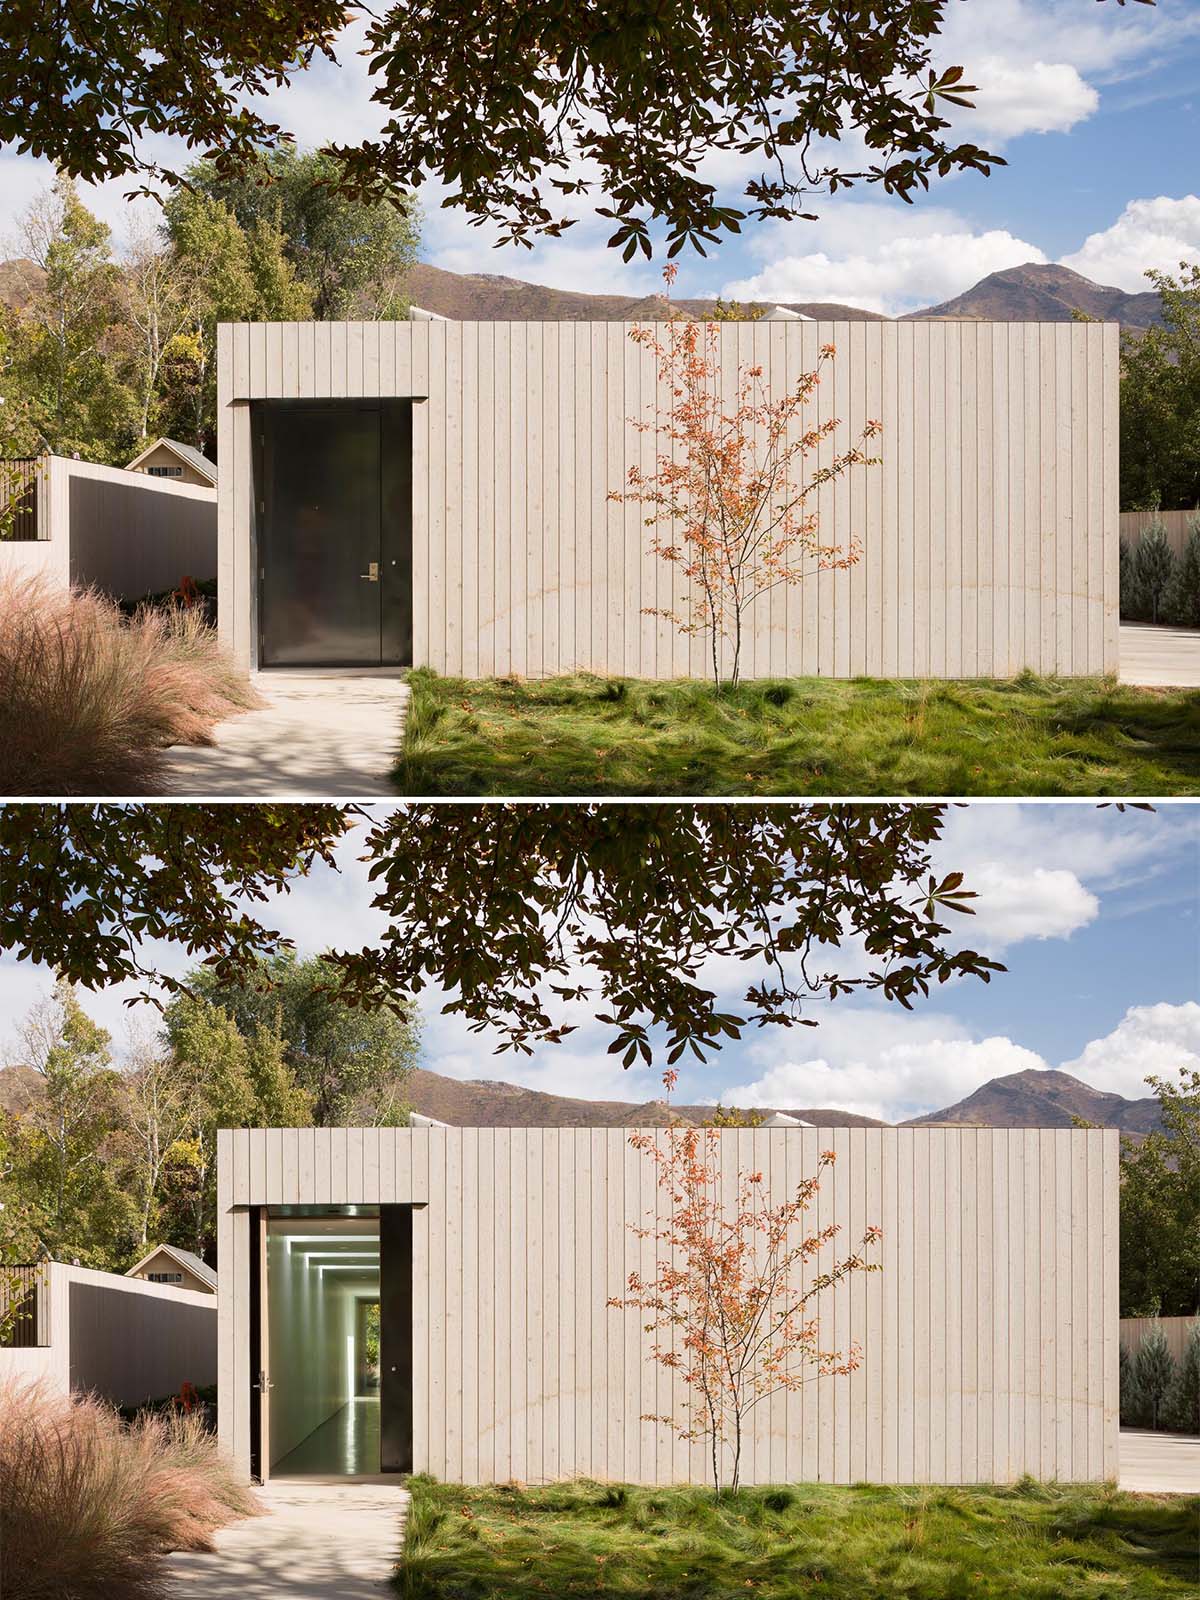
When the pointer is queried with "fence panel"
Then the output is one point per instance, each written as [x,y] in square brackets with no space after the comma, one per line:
[24,1307]
[21,478]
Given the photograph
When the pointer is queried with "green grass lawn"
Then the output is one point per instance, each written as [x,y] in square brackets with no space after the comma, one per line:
[800,736]
[1030,1542]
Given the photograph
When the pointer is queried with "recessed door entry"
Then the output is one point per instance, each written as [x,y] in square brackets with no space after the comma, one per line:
[335,533]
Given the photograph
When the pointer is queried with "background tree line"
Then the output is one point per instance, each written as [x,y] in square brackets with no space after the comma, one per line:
[110,347]
[98,1161]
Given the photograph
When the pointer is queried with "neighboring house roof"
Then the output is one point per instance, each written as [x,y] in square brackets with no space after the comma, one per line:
[780,1119]
[416,1120]
[185,1258]
[188,453]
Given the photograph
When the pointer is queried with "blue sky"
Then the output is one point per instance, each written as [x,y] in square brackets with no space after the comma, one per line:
[1094,912]
[1094,106]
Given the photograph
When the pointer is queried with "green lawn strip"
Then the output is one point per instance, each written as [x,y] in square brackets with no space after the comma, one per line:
[1032,1541]
[809,736]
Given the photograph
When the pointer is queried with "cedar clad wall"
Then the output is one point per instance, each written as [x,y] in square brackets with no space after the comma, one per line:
[989,1337]
[989,533]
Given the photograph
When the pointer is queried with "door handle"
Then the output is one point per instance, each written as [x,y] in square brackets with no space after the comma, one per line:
[372,572]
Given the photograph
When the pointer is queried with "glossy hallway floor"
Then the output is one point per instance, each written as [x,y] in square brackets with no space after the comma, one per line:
[346,1446]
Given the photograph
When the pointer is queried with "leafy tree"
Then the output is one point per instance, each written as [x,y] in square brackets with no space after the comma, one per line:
[228,1079]
[63,356]
[352,257]
[1153,567]
[1127,1405]
[1160,1207]
[616,904]
[1182,1408]
[63,1149]
[731,486]
[351,1064]
[735,1293]
[245,276]
[155,1112]
[1181,601]
[512,106]
[160,293]
[1152,1379]
[1160,401]
[1127,588]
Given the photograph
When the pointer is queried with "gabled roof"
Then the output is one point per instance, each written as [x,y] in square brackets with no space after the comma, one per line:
[186,452]
[185,1258]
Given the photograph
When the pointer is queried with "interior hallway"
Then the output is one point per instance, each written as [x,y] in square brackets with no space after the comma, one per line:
[344,1446]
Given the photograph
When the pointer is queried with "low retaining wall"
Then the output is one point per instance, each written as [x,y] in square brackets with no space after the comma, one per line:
[121,1338]
[126,533]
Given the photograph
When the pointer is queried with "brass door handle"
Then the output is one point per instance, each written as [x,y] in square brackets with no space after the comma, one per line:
[372,572]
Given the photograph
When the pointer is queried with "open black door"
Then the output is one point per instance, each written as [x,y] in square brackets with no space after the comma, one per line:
[335,562]
[395,1339]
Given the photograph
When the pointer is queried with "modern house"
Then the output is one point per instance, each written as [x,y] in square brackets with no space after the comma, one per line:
[168,1264]
[989,1338]
[168,458]
[437,493]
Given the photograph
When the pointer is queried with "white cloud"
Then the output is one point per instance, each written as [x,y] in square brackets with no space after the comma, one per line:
[880,257]
[1159,232]
[890,1067]
[1025,97]
[1156,1040]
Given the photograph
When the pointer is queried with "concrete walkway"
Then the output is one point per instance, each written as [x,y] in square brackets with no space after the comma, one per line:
[323,734]
[1160,1463]
[321,1539]
[1159,657]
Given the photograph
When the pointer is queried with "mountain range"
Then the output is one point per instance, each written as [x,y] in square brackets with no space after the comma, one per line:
[1031,1099]
[1035,292]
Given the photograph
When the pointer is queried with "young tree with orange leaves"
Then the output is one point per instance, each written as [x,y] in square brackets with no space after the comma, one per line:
[729,495]
[731,1303]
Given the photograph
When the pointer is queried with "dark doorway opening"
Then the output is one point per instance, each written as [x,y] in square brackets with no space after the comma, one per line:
[335,532]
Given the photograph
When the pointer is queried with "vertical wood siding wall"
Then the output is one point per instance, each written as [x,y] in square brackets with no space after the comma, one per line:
[990,1336]
[989,533]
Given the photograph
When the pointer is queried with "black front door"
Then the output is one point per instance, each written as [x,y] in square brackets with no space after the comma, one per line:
[321,556]
[395,1339]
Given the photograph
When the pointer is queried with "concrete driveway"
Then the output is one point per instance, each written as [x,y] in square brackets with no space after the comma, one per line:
[1159,1463]
[1158,657]
[322,734]
[320,1539]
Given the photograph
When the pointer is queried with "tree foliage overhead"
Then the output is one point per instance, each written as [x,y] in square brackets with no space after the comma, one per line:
[515,911]
[517,108]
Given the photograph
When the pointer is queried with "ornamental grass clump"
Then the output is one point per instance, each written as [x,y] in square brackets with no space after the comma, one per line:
[89,1505]
[89,699]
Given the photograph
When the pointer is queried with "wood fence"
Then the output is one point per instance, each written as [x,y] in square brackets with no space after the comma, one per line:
[988,534]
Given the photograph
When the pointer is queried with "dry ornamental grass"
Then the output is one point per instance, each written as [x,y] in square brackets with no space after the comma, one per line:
[89,1505]
[89,699]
